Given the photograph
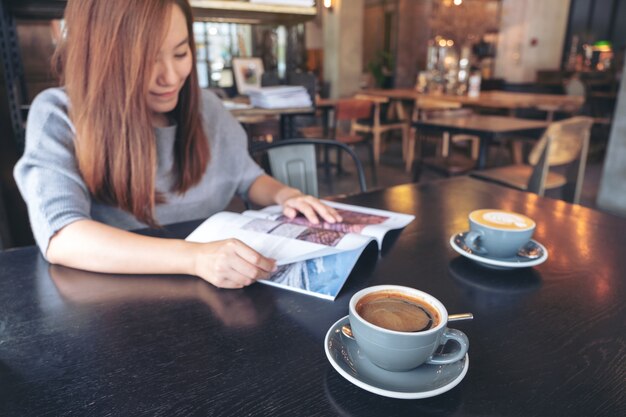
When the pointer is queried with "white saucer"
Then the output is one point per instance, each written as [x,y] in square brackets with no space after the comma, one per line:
[457,242]
[422,382]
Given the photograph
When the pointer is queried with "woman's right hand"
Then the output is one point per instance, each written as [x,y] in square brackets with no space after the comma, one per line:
[230,263]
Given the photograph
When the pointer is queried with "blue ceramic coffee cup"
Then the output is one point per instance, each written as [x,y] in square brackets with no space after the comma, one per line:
[498,233]
[395,350]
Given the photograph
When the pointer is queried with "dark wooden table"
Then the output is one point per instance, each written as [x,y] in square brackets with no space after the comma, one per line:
[545,341]
[487,128]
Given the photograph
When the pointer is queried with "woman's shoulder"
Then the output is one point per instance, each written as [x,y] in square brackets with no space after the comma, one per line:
[50,103]
[51,98]
[48,116]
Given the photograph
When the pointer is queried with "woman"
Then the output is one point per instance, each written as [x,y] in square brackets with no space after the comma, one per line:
[131,141]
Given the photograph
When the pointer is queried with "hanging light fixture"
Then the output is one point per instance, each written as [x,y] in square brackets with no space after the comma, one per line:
[328,5]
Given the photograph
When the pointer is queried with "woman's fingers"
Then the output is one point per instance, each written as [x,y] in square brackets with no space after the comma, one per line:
[290,212]
[326,212]
[232,264]
[311,208]
[304,207]
[254,259]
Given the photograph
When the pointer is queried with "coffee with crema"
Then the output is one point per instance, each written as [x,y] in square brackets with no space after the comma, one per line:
[397,311]
[500,219]
[400,328]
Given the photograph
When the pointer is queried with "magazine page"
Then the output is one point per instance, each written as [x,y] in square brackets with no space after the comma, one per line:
[321,277]
[285,242]
[356,220]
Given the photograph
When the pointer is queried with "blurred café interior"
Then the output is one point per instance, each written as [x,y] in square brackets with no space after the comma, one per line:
[415,61]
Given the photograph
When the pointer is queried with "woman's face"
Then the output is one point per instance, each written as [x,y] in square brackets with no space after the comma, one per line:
[171,69]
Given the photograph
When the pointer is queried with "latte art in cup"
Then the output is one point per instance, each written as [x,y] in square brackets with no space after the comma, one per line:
[498,233]
[500,219]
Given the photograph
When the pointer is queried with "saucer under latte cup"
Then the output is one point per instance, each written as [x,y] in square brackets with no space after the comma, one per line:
[409,337]
[498,233]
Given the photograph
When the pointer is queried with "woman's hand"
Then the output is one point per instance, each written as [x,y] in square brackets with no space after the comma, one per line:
[265,190]
[294,202]
[230,263]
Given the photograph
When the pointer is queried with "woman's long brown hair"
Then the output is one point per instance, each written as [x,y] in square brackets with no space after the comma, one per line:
[105,62]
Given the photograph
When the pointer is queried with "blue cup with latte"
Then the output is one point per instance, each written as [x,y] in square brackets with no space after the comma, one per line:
[498,233]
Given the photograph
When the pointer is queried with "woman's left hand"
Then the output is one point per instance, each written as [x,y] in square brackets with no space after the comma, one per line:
[265,190]
[294,202]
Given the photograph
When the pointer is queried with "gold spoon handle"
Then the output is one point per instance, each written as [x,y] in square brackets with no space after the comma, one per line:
[461,316]
[347,330]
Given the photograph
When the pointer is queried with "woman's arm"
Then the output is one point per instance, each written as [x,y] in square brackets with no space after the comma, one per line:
[265,191]
[93,246]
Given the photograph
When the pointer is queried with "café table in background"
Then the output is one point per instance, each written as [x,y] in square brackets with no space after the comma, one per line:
[487,128]
[494,100]
[545,341]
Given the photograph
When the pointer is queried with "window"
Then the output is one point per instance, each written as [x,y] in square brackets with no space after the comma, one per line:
[216,45]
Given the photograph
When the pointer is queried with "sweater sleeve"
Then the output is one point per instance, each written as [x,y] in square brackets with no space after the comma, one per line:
[47,174]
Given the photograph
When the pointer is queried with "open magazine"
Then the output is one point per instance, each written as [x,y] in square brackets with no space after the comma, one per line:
[314,259]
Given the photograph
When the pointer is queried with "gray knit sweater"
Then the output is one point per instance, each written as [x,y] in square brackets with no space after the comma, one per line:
[56,195]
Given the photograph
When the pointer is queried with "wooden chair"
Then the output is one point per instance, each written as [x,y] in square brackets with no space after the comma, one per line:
[294,162]
[564,143]
[347,124]
[377,126]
